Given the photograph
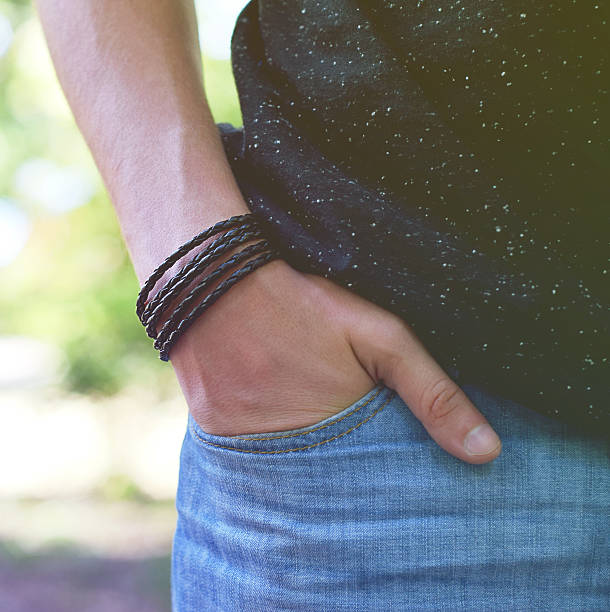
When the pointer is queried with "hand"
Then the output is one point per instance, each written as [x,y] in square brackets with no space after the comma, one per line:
[310,348]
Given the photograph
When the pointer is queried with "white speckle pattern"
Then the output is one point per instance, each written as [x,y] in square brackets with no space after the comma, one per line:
[448,161]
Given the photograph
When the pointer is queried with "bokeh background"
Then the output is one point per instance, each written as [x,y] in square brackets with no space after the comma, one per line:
[91,421]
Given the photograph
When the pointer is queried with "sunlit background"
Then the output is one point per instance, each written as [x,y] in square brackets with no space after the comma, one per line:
[91,421]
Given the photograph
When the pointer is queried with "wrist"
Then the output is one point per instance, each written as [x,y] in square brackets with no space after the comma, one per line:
[199,279]
[150,247]
[164,199]
[252,294]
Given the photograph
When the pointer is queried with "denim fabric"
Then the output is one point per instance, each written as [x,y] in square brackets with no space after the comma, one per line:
[364,511]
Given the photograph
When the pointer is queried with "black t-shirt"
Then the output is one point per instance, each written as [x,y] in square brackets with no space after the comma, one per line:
[449,162]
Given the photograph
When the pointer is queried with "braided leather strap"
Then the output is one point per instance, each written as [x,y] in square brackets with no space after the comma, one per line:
[196,292]
[187,246]
[212,297]
[161,301]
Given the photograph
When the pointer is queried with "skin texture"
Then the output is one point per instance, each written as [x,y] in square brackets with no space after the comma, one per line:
[281,349]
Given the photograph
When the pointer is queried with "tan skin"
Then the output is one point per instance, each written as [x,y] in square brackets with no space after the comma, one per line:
[281,349]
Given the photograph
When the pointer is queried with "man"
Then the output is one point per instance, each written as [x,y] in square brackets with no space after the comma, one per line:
[286,353]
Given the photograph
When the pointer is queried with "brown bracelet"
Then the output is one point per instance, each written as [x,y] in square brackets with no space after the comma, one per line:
[211,298]
[241,228]
[181,251]
[186,274]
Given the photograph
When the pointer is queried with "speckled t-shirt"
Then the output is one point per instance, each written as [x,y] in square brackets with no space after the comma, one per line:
[448,161]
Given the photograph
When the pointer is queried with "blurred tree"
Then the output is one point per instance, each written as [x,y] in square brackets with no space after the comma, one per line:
[72,284]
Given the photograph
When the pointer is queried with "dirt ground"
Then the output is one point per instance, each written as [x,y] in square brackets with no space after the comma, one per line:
[62,581]
[85,556]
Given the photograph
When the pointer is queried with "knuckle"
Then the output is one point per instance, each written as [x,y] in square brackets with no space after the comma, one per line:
[396,324]
[398,356]
[441,399]
[392,346]
[397,337]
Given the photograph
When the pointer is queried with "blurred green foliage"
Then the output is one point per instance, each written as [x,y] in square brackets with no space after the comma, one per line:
[119,487]
[73,284]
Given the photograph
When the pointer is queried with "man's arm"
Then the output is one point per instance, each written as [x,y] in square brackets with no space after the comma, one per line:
[131,72]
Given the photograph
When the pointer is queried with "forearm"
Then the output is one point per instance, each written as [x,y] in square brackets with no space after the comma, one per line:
[131,72]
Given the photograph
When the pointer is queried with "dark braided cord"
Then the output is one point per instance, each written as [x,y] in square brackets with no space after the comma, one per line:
[154,309]
[174,320]
[185,271]
[187,246]
[212,297]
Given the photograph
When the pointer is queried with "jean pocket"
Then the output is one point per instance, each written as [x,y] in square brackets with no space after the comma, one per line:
[330,429]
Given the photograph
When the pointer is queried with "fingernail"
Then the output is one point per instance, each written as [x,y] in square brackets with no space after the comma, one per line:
[481,440]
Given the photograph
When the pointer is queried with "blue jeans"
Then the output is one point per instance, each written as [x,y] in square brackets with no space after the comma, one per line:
[365,512]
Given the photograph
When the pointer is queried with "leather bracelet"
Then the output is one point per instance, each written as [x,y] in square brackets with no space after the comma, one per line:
[185,248]
[212,297]
[163,298]
[196,292]
[241,228]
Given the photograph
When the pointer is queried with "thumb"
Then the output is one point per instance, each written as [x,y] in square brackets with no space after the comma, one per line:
[387,347]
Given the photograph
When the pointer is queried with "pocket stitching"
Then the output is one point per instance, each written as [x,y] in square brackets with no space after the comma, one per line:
[303,433]
[289,450]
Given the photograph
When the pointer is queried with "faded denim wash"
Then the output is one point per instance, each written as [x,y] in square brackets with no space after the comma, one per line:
[365,512]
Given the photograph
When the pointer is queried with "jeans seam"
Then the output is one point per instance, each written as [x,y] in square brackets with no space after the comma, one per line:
[290,450]
[304,433]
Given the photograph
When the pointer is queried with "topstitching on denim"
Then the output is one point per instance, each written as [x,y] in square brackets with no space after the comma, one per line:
[391,394]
